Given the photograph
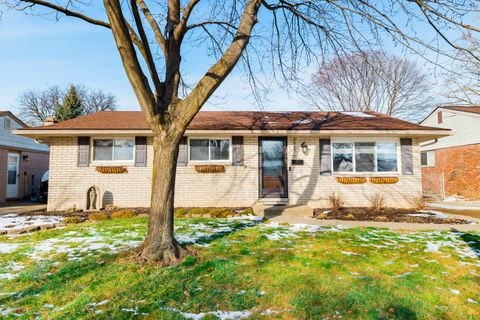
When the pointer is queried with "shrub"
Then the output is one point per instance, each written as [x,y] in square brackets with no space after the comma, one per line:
[381,219]
[247,212]
[98,216]
[72,220]
[336,202]
[71,210]
[221,212]
[350,216]
[419,202]
[197,211]
[181,213]
[377,202]
[123,214]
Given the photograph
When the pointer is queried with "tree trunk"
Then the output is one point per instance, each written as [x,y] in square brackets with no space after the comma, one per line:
[160,245]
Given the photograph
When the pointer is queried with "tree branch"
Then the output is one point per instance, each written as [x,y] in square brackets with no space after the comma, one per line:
[130,61]
[220,70]
[154,25]
[148,53]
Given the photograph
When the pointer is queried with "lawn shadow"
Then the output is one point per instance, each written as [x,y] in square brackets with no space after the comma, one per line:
[472,240]
[221,234]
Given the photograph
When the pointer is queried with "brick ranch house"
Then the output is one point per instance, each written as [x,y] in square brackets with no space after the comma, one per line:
[451,165]
[237,159]
[22,160]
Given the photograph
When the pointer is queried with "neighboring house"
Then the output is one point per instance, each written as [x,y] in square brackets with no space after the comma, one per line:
[247,157]
[451,165]
[23,161]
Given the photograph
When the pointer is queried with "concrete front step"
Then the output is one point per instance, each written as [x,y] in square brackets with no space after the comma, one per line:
[293,211]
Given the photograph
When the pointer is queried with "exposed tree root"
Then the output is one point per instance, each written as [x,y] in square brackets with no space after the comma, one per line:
[170,256]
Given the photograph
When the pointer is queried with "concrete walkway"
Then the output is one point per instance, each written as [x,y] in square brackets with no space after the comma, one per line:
[389,225]
[17,207]
[459,207]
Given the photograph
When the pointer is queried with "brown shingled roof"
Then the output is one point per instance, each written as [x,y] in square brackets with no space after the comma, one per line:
[473,109]
[244,120]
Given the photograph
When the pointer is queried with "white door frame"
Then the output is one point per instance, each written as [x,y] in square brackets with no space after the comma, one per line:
[12,188]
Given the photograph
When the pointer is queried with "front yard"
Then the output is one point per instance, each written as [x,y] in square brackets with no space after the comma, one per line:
[246,269]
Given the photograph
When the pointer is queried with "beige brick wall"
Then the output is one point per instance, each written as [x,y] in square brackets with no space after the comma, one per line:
[237,187]
[68,184]
[306,185]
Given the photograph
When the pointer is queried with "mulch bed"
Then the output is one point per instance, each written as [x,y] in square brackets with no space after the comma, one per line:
[85,214]
[385,215]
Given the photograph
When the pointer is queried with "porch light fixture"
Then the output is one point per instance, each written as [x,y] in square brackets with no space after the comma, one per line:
[304,147]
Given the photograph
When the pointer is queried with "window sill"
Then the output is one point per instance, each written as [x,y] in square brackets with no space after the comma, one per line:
[366,174]
[208,163]
[112,163]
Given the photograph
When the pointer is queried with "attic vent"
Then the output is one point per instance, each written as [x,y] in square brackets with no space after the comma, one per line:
[440,117]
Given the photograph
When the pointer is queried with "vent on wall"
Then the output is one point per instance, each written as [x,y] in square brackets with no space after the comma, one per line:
[440,117]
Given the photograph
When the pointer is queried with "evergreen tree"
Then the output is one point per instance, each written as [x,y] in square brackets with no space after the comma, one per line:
[71,107]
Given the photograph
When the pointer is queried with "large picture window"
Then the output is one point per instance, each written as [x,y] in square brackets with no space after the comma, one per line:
[113,149]
[365,157]
[209,149]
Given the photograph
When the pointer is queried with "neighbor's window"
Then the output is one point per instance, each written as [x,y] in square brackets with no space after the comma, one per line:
[113,149]
[427,158]
[209,149]
[369,157]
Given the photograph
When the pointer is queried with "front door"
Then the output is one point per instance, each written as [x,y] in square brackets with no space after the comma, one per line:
[273,167]
[12,175]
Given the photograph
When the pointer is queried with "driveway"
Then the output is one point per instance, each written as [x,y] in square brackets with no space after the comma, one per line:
[16,207]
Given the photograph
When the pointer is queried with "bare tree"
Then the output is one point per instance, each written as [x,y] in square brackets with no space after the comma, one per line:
[291,34]
[465,90]
[372,81]
[36,106]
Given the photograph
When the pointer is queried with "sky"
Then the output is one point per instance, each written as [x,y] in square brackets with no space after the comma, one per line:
[36,52]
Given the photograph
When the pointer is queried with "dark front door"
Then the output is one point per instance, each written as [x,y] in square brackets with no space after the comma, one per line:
[273,167]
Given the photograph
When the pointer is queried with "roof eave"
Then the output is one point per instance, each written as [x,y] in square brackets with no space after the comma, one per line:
[421,134]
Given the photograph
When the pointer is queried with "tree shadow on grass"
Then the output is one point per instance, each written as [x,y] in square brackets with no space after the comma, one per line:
[207,239]
[472,240]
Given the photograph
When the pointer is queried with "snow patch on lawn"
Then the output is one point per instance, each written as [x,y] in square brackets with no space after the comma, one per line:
[8,247]
[14,222]
[222,315]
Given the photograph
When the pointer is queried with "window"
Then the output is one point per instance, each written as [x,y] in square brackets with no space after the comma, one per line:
[209,149]
[343,157]
[369,157]
[386,156]
[427,158]
[365,156]
[113,149]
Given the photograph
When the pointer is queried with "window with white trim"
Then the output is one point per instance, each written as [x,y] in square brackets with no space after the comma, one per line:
[209,149]
[427,158]
[113,149]
[365,156]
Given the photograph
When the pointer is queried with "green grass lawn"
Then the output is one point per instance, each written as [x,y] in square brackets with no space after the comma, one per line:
[245,270]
